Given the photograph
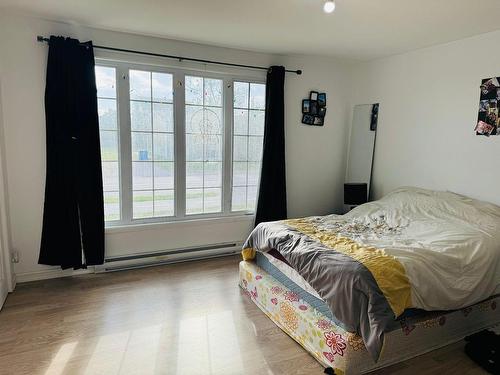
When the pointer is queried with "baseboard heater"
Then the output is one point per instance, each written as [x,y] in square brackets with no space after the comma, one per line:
[157,258]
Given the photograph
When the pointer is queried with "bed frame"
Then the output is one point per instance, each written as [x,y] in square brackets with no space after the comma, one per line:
[345,352]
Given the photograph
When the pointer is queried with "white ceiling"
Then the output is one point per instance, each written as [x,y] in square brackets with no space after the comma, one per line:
[358,29]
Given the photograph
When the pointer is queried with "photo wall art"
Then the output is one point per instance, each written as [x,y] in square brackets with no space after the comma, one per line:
[314,109]
[488,122]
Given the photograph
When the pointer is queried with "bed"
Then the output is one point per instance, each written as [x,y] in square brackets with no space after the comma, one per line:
[390,280]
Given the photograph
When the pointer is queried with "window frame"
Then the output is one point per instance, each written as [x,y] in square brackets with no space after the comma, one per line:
[125,146]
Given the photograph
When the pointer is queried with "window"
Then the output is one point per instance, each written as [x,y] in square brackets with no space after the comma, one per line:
[248,134]
[204,145]
[152,134]
[177,145]
[108,126]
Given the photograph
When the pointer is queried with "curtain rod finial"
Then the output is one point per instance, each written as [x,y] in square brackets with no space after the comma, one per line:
[299,72]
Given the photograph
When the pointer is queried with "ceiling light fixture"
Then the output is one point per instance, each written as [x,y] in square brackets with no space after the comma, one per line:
[329,6]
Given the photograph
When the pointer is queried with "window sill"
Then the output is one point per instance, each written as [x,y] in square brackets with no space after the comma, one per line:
[135,227]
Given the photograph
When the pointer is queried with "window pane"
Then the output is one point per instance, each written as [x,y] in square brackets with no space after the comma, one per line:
[110,176]
[240,99]
[164,175]
[256,123]
[163,117]
[239,200]
[163,203]
[194,90]
[240,148]
[163,146]
[106,105]
[141,146]
[213,148]
[248,132]
[140,85]
[239,173]
[105,79]
[194,201]
[140,116]
[255,148]
[109,145]
[194,147]
[107,114]
[204,144]
[152,125]
[142,175]
[213,92]
[213,175]
[194,115]
[111,206]
[251,198]
[257,96]
[202,120]
[240,122]
[212,121]
[162,87]
[253,173]
[142,204]
[212,199]
[194,174]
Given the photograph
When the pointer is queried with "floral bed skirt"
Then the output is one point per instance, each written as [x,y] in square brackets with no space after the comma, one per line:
[345,352]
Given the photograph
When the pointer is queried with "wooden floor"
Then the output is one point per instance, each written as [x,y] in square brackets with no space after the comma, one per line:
[188,318]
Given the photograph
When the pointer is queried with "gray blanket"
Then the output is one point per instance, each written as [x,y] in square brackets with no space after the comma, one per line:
[347,286]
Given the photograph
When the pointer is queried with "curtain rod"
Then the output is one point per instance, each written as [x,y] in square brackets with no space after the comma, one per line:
[42,39]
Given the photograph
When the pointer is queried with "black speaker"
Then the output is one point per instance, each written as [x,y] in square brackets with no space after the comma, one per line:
[355,193]
[374,118]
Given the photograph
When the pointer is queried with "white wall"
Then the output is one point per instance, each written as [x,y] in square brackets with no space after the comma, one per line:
[315,156]
[7,279]
[428,109]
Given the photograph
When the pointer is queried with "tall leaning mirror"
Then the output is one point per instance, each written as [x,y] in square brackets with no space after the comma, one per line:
[360,155]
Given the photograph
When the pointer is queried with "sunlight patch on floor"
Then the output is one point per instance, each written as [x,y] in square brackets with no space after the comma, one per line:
[209,344]
[60,360]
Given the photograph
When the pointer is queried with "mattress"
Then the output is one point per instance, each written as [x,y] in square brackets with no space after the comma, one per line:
[276,266]
[302,318]
[286,275]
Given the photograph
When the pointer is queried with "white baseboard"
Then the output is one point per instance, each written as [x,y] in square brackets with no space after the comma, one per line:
[13,282]
[49,274]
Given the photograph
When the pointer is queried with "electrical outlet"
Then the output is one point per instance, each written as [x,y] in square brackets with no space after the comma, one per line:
[15,256]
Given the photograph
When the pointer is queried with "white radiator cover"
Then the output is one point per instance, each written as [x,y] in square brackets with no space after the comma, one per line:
[157,258]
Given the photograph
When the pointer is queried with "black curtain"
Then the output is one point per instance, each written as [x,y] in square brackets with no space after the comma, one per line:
[73,216]
[271,204]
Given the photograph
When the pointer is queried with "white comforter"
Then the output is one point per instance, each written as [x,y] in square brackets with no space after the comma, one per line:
[449,244]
